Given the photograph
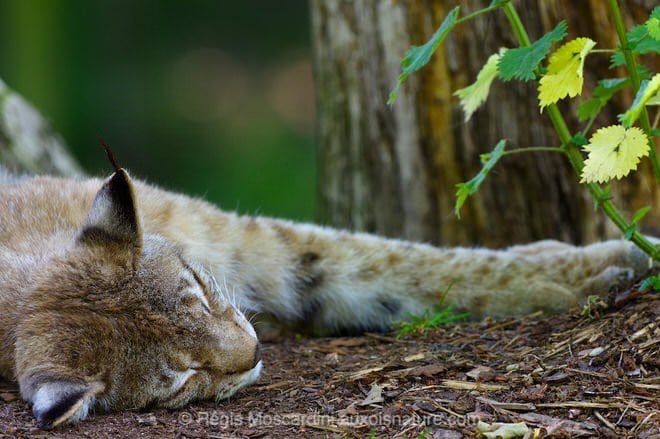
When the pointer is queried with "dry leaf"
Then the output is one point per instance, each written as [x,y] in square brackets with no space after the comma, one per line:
[557,426]
[503,431]
[481,373]
[374,396]
[428,371]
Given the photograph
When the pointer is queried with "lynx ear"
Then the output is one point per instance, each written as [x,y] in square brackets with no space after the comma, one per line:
[59,401]
[113,217]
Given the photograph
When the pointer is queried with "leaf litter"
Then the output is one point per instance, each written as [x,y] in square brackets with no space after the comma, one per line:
[537,376]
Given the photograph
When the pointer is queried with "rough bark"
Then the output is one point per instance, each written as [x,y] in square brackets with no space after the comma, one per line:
[27,143]
[393,170]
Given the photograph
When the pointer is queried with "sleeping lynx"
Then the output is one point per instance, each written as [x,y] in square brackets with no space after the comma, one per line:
[121,295]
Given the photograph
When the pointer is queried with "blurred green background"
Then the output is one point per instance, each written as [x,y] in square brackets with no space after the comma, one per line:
[210,97]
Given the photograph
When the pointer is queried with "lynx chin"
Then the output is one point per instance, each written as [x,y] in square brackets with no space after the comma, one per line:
[119,295]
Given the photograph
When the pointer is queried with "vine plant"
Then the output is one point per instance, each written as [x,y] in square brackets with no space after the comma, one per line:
[611,152]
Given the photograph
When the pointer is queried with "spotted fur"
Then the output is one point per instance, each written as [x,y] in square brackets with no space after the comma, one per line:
[121,295]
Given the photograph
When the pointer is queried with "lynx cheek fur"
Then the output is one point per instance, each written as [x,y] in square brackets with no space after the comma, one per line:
[110,305]
[104,315]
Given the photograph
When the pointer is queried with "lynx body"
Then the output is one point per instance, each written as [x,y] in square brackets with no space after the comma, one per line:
[121,295]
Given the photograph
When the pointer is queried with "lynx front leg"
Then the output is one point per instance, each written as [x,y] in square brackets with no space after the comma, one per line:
[601,266]
[325,281]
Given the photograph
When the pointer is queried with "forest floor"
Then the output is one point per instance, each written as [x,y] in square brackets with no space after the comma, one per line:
[558,376]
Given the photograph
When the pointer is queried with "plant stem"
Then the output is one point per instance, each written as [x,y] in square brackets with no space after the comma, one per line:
[517,25]
[587,127]
[573,153]
[477,13]
[534,149]
[621,32]
[631,65]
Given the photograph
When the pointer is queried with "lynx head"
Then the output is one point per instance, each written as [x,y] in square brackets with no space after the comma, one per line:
[121,320]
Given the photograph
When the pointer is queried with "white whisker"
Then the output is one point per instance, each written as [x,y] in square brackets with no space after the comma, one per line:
[233,297]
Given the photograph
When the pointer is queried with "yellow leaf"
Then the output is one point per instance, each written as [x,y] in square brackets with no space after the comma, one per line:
[564,76]
[472,96]
[613,151]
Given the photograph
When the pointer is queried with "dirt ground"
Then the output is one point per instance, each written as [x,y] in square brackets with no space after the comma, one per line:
[561,376]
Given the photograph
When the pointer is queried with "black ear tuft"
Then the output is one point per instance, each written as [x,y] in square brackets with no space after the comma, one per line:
[113,217]
[111,156]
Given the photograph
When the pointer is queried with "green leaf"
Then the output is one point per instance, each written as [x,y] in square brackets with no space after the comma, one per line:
[643,72]
[640,214]
[498,3]
[607,87]
[418,57]
[464,190]
[579,140]
[589,108]
[640,43]
[648,91]
[652,282]
[472,96]
[603,92]
[653,24]
[521,62]
[637,217]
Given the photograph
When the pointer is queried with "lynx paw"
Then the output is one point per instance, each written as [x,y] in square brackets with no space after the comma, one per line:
[609,278]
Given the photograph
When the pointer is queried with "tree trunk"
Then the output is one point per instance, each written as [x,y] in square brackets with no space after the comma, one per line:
[27,143]
[393,170]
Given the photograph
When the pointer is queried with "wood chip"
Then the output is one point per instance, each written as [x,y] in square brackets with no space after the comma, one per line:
[415,357]
[8,397]
[581,404]
[506,405]
[604,420]
[466,385]
[364,372]
[647,386]
[557,377]
[648,329]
